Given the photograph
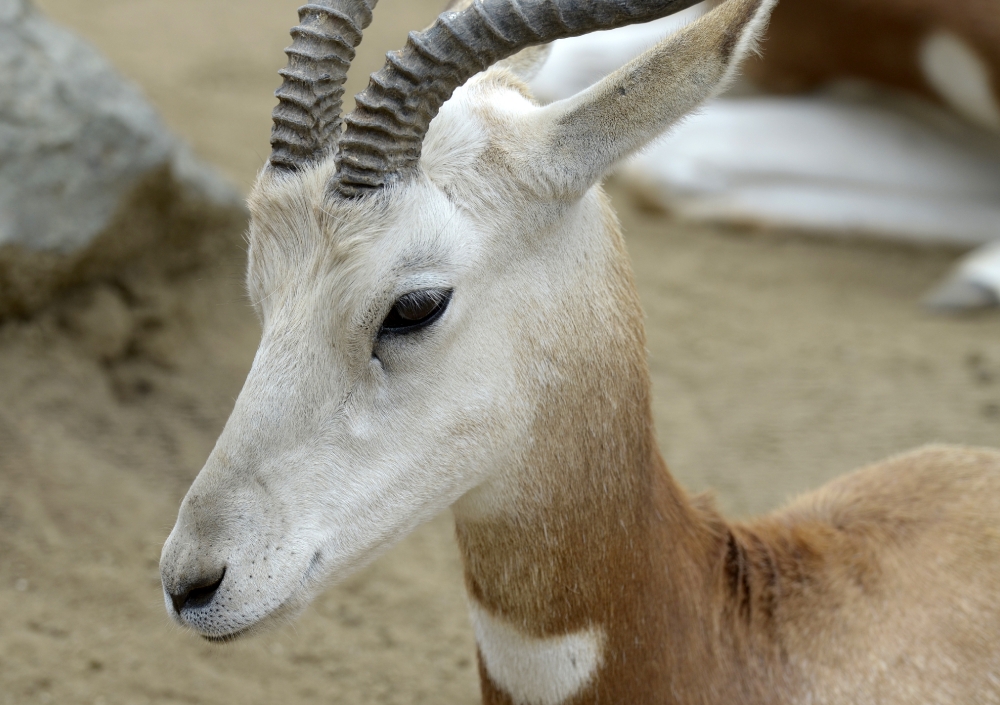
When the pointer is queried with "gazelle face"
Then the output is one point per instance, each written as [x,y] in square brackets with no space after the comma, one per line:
[391,379]
[418,339]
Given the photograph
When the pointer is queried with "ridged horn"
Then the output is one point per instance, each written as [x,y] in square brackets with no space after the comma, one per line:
[307,117]
[384,134]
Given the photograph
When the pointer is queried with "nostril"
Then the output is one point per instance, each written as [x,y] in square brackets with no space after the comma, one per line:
[198,595]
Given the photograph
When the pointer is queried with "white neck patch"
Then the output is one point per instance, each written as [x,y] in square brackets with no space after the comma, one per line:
[532,670]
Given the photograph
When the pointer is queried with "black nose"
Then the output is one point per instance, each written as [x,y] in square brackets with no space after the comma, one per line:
[198,594]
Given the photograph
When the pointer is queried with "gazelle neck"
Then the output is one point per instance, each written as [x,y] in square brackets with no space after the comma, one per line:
[598,580]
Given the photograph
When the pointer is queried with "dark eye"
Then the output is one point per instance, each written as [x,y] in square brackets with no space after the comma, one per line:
[416,310]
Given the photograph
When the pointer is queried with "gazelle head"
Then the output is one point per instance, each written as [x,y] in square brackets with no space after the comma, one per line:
[443,291]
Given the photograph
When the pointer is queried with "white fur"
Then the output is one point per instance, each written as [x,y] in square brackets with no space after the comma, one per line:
[961,77]
[533,670]
[449,153]
[748,43]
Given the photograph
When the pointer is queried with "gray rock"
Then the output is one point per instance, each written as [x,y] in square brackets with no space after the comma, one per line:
[90,177]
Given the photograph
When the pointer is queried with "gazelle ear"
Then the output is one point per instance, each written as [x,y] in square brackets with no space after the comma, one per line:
[586,135]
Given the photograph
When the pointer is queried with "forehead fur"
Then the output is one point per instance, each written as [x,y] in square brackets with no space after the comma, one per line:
[476,117]
[464,129]
[302,242]
[296,227]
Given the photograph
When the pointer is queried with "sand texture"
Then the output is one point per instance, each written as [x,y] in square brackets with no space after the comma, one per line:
[778,363]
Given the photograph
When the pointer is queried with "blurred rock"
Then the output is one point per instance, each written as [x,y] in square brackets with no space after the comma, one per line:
[90,178]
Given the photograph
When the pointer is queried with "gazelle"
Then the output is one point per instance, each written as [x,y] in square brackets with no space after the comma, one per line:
[449,320]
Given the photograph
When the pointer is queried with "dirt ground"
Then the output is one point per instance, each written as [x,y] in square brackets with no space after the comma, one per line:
[778,362]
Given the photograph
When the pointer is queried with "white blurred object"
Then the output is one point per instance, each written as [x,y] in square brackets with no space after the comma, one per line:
[975,283]
[843,162]
[852,160]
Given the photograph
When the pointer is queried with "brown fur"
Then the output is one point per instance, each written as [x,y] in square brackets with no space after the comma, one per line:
[810,42]
[878,588]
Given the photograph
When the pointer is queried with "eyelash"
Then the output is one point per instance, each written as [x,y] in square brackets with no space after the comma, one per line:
[415,310]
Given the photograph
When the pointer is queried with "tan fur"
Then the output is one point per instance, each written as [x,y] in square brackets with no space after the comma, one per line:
[526,408]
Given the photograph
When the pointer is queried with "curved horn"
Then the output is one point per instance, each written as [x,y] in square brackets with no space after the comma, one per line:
[384,134]
[307,118]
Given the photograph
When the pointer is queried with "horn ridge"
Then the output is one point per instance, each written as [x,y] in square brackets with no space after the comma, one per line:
[384,135]
[307,118]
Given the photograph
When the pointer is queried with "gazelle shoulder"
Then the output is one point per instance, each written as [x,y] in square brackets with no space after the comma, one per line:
[905,503]
[927,482]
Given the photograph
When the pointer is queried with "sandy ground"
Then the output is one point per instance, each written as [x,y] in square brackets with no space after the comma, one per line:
[778,362]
